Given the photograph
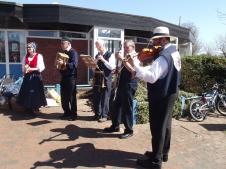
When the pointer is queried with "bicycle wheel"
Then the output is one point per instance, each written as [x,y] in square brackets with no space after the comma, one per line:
[221,106]
[197,110]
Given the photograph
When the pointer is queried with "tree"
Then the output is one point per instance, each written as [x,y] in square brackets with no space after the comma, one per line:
[221,44]
[196,43]
[209,50]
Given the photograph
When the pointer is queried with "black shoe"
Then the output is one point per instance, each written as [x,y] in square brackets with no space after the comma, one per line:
[64,116]
[148,163]
[73,118]
[111,129]
[96,117]
[126,135]
[149,154]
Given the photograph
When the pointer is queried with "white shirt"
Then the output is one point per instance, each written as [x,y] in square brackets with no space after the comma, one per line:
[158,69]
[40,63]
[110,64]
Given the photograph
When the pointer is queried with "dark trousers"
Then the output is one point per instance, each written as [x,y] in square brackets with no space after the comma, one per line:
[101,97]
[123,107]
[68,96]
[160,116]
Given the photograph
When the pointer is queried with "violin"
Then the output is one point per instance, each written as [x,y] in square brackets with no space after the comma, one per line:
[149,53]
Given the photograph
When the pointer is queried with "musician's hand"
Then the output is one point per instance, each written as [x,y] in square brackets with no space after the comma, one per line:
[119,55]
[100,57]
[60,62]
[131,61]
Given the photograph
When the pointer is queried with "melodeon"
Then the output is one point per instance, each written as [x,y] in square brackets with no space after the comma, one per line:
[61,57]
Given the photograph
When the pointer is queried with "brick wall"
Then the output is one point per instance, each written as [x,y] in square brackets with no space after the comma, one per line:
[48,48]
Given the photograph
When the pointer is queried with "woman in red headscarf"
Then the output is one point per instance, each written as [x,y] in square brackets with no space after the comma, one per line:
[31,95]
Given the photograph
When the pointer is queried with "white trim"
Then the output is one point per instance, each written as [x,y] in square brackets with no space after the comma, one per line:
[16,30]
[7,52]
[108,38]
[95,37]
[122,40]
[42,37]
[57,34]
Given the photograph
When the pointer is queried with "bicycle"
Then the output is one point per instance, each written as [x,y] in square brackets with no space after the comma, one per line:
[208,102]
[9,87]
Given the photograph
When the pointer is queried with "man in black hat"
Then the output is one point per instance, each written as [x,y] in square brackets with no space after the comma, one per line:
[68,81]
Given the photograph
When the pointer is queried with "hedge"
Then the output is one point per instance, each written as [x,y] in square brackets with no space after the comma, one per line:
[199,73]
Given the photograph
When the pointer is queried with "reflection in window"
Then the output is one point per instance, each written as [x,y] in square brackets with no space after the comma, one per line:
[73,35]
[110,33]
[2,46]
[16,46]
[142,40]
[43,33]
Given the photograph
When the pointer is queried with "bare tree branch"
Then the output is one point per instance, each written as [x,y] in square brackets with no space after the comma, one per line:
[196,44]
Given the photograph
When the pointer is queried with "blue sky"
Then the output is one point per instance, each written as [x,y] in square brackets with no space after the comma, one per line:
[203,13]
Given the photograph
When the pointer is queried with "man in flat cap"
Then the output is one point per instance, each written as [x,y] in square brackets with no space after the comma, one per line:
[68,81]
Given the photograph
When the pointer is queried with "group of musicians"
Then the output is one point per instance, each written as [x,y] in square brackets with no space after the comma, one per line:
[162,77]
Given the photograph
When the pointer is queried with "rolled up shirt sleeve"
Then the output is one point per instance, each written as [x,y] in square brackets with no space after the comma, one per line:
[157,70]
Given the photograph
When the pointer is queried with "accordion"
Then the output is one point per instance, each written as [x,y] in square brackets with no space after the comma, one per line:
[61,60]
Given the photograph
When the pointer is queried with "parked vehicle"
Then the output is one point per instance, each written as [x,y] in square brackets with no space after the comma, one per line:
[210,101]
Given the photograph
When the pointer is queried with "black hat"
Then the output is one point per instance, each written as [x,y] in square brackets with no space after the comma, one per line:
[65,38]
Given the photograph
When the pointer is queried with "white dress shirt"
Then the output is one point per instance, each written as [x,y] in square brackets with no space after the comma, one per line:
[110,64]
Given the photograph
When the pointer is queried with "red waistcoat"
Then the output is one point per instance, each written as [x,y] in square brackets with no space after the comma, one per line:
[33,63]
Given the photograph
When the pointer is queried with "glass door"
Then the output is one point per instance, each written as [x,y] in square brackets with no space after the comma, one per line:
[113,38]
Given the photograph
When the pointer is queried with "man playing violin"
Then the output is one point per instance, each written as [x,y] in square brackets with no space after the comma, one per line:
[127,85]
[163,79]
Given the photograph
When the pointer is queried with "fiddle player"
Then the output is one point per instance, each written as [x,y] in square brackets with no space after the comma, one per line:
[105,61]
[68,81]
[127,86]
[163,79]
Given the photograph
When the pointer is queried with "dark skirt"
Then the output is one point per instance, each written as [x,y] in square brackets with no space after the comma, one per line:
[31,93]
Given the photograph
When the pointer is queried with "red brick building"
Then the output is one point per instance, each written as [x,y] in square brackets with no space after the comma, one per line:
[47,23]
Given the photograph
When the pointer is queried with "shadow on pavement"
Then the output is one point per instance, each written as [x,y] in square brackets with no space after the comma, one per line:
[25,115]
[86,155]
[73,132]
[16,116]
[214,127]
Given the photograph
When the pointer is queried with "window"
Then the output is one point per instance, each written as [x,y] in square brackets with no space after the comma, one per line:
[131,38]
[2,47]
[43,33]
[16,45]
[109,33]
[73,35]
[142,40]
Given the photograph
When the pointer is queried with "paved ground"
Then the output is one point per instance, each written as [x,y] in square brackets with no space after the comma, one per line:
[46,142]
